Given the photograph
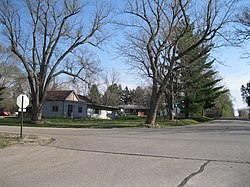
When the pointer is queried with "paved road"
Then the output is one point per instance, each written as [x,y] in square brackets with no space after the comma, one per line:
[214,154]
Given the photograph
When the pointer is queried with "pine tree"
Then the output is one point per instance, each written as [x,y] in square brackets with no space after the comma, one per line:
[126,96]
[112,95]
[196,77]
[94,94]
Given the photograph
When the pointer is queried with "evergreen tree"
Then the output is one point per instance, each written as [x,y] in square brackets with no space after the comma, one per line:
[94,94]
[112,95]
[126,96]
[195,77]
[200,89]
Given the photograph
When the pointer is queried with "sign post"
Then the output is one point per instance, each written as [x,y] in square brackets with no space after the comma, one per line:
[177,110]
[22,102]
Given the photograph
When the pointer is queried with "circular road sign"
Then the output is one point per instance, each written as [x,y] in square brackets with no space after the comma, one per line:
[22,98]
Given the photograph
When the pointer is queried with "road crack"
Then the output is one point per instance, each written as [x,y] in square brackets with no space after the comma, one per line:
[184,182]
[150,155]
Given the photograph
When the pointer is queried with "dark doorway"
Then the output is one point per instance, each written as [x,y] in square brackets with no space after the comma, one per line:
[70,110]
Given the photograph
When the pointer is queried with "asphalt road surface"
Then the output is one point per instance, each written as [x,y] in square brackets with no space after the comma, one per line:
[215,154]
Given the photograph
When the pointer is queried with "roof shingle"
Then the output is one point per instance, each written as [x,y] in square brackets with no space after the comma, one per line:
[59,95]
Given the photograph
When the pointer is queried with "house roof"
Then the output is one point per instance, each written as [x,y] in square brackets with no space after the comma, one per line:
[85,99]
[58,95]
[103,107]
[62,95]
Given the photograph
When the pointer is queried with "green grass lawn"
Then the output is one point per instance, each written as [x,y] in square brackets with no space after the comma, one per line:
[119,122]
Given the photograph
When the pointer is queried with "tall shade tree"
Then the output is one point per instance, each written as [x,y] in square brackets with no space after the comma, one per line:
[153,37]
[48,37]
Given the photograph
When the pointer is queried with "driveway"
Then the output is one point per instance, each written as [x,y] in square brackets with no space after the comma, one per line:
[213,154]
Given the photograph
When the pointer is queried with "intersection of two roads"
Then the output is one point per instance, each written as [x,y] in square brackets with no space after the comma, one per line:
[212,154]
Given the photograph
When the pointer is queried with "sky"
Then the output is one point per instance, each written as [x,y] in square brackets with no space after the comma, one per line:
[235,72]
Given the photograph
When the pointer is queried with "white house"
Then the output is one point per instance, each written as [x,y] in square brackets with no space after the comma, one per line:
[66,103]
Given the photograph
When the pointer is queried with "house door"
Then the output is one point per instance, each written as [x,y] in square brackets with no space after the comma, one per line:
[70,110]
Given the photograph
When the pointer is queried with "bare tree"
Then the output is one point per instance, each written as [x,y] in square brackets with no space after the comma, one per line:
[243,29]
[154,34]
[244,20]
[12,79]
[89,73]
[111,77]
[48,37]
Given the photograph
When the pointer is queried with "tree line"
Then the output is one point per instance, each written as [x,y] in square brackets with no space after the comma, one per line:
[115,95]
[165,41]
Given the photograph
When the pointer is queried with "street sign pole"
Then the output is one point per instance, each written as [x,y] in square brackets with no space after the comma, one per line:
[21,130]
[176,108]
[22,102]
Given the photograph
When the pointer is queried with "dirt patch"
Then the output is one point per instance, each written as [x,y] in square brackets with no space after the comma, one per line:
[12,139]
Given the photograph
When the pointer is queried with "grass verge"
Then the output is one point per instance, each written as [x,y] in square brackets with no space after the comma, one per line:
[11,139]
[119,122]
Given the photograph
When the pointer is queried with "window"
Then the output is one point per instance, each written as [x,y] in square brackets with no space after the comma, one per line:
[97,111]
[79,109]
[54,108]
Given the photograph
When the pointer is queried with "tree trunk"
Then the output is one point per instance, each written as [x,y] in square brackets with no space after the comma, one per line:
[186,108]
[171,101]
[154,103]
[203,112]
[36,111]
[170,107]
[36,115]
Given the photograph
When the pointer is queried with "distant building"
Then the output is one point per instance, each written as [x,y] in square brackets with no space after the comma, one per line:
[66,103]
[243,113]
[132,110]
